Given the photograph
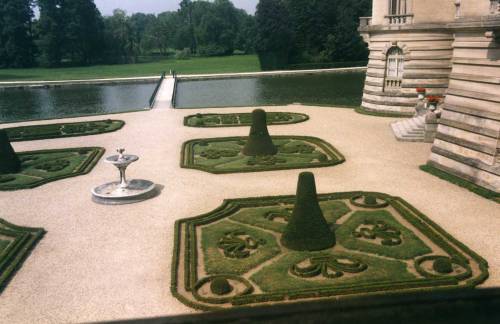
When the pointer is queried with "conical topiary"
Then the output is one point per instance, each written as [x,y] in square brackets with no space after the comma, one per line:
[307,229]
[259,141]
[9,162]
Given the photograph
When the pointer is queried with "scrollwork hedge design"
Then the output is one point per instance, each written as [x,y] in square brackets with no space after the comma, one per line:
[379,230]
[41,167]
[329,267]
[238,245]
[40,132]
[241,119]
[222,299]
[53,166]
[224,155]
[275,280]
[440,270]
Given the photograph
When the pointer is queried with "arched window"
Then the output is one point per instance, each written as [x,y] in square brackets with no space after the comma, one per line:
[394,68]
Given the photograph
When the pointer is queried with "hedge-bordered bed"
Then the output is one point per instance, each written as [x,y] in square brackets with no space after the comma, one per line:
[241,119]
[41,167]
[223,155]
[267,273]
[16,243]
[49,131]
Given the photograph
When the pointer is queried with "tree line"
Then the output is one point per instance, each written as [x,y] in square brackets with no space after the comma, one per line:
[309,31]
[283,32]
[73,32]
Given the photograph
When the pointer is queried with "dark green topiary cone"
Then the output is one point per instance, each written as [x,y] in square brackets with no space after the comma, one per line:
[307,229]
[259,141]
[9,162]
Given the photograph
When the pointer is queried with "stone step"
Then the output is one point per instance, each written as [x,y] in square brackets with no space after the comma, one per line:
[410,130]
[416,123]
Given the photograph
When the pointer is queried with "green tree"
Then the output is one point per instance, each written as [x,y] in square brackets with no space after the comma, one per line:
[186,12]
[325,30]
[140,26]
[121,46]
[16,41]
[51,30]
[83,31]
[247,32]
[274,34]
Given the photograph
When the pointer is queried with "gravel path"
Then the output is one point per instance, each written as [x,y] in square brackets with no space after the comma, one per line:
[102,263]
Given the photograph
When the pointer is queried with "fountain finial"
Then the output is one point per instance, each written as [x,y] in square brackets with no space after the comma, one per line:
[120,154]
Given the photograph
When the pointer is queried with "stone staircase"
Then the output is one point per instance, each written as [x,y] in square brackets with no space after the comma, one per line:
[410,130]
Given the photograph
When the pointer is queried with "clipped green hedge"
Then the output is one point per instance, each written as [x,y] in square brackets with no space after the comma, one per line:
[41,167]
[220,286]
[307,229]
[9,161]
[259,142]
[281,161]
[18,243]
[186,236]
[241,119]
[40,132]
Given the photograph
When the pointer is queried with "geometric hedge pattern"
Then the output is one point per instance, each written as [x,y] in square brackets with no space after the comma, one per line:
[41,167]
[233,256]
[15,245]
[241,119]
[224,155]
[39,132]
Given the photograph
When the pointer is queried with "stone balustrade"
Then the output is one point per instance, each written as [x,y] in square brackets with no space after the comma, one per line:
[365,21]
[399,19]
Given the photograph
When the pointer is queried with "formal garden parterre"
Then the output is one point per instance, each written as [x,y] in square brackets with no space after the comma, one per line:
[41,167]
[224,155]
[280,249]
[242,119]
[40,132]
[258,152]
[15,245]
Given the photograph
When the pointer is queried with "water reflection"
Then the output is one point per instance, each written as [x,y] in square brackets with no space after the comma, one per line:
[25,104]
[344,89]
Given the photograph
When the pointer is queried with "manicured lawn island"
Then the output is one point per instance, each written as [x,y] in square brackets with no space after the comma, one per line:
[258,251]
[258,152]
[224,155]
[242,119]
[40,132]
[41,167]
[15,245]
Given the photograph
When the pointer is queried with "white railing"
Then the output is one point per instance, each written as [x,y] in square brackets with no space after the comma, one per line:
[393,83]
[365,21]
[400,19]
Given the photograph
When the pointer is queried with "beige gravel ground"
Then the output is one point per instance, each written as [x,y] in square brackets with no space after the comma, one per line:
[102,263]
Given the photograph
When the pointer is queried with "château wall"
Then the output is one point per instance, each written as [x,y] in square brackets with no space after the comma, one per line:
[451,48]
[427,55]
[467,143]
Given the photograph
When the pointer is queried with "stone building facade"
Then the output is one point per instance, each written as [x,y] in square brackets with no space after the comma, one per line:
[451,48]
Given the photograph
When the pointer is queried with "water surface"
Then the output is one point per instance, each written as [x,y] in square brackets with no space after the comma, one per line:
[68,101]
[342,89]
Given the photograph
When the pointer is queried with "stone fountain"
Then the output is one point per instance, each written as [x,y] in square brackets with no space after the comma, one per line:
[123,191]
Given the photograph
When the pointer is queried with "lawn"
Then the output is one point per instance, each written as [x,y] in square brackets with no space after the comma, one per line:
[199,65]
